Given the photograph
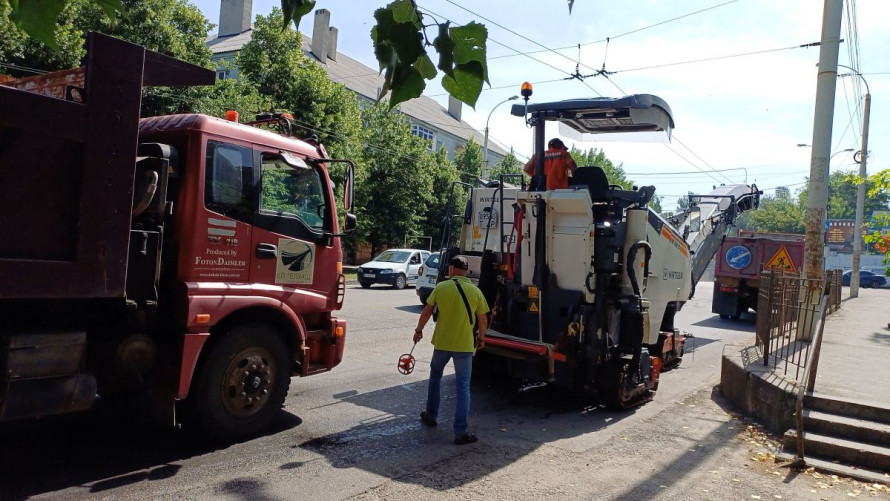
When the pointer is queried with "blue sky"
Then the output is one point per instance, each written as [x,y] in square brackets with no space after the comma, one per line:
[745,113]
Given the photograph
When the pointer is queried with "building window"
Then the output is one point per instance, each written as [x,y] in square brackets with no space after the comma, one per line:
[419,130]
[223,74]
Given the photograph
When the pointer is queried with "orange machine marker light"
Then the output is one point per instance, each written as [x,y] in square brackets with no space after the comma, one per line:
[526,89]
[202,318]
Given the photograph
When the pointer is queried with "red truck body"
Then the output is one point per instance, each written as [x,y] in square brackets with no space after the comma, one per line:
[188,256]
[739,262]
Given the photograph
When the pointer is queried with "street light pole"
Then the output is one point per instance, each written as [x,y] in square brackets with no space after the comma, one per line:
[860,190]
[485,145]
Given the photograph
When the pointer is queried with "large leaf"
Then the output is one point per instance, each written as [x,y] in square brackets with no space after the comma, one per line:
[398,46]
[111,7]
[37,18]
[445,47]
[404,11]
[425,66]
[294,10]
[466,84]
[469,45]
[407,83]
[403,37]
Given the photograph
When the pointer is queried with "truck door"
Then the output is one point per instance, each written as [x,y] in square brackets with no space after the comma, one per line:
[220,249]
[292,220]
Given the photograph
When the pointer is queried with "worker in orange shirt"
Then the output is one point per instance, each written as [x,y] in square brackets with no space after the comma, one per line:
[557,164]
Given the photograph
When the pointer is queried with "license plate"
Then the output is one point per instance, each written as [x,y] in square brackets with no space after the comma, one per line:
[370,275]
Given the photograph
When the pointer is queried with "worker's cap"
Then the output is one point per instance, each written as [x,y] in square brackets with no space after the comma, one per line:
[556,143]
[459,262]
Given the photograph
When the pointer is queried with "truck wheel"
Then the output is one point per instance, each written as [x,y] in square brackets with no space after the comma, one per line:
[724,316]
[400,282]
[243,382]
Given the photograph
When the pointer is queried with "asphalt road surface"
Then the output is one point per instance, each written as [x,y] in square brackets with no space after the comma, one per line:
[354,433]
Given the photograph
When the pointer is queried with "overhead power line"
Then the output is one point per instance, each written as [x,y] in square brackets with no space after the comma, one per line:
[690,162]
[613,37]
[715,58]
[496,42]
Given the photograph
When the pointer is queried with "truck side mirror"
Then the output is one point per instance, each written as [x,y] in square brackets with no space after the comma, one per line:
[349,223]
[695,219]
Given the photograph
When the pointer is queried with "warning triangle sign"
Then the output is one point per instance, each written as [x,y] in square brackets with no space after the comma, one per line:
[781,260]
[533,307]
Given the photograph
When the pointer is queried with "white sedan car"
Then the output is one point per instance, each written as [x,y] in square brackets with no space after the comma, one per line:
[395,267]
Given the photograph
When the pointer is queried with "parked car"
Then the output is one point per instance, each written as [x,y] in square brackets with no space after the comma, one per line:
[395,267]
[426,277]
[866,279]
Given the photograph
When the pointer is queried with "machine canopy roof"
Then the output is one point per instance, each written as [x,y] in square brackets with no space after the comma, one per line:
[631,118]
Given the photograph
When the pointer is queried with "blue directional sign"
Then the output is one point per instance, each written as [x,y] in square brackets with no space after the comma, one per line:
[738,257]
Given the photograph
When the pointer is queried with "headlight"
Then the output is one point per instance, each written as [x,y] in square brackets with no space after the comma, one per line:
[382,272]
[361,270]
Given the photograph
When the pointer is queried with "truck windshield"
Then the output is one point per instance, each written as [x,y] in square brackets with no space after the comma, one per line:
[293,191]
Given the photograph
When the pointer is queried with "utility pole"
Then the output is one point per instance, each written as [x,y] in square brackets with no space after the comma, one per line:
[817,199]
[860,193]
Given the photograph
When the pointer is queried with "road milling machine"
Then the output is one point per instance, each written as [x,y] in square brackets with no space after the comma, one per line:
[584,283]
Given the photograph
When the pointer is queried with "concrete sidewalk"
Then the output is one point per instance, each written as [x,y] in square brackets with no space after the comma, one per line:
[855,360]
[854,364]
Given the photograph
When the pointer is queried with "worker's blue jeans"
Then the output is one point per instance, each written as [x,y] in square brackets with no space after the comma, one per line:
[463,367]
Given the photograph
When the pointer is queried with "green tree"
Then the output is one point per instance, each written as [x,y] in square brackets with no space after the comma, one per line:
[777,213]
[842,196]
[400,39]
[274,63]
[172,27]
[508,165]
[22,50]
[444,175]
[614,173]
[468,161]
[877,238]
[392,202]
[231,94]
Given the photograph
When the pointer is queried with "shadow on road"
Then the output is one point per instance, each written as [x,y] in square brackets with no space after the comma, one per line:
[747,323]
[112,445]
[516,421]
[413,308]
[680,469]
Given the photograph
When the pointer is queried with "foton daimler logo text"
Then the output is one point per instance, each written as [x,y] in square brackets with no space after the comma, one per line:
[296,262]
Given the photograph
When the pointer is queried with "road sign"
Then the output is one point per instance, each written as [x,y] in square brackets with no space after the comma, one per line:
[782,260]
[738,257]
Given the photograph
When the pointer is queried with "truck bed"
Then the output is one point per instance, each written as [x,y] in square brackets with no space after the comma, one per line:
[67,169]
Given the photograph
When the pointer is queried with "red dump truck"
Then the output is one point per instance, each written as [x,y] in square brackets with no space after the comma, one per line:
[190,258]
[738,265]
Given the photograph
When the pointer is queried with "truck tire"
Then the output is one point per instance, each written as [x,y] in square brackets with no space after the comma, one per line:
[243,382]
[400,282]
